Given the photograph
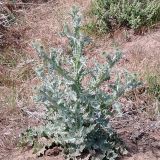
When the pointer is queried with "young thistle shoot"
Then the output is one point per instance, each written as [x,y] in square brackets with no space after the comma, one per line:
[77,115]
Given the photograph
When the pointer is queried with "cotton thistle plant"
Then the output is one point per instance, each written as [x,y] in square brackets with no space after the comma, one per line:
[77,116]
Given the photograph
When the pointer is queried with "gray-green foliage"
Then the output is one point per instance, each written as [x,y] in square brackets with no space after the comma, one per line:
[111,14]
[6,16]
[77,115]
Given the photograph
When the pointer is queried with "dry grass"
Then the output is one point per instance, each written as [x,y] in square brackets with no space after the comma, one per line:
[46,21]
[144,53]
[141,56]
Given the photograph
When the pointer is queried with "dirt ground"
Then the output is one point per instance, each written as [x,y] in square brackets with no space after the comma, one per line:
[139,127]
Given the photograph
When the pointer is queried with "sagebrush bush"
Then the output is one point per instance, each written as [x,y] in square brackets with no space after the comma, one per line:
[7,18]
[6,14]
[134,14]
[77,116]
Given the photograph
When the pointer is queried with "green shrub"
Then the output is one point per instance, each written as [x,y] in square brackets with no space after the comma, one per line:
[7,16]
[77,116]
[134,14]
